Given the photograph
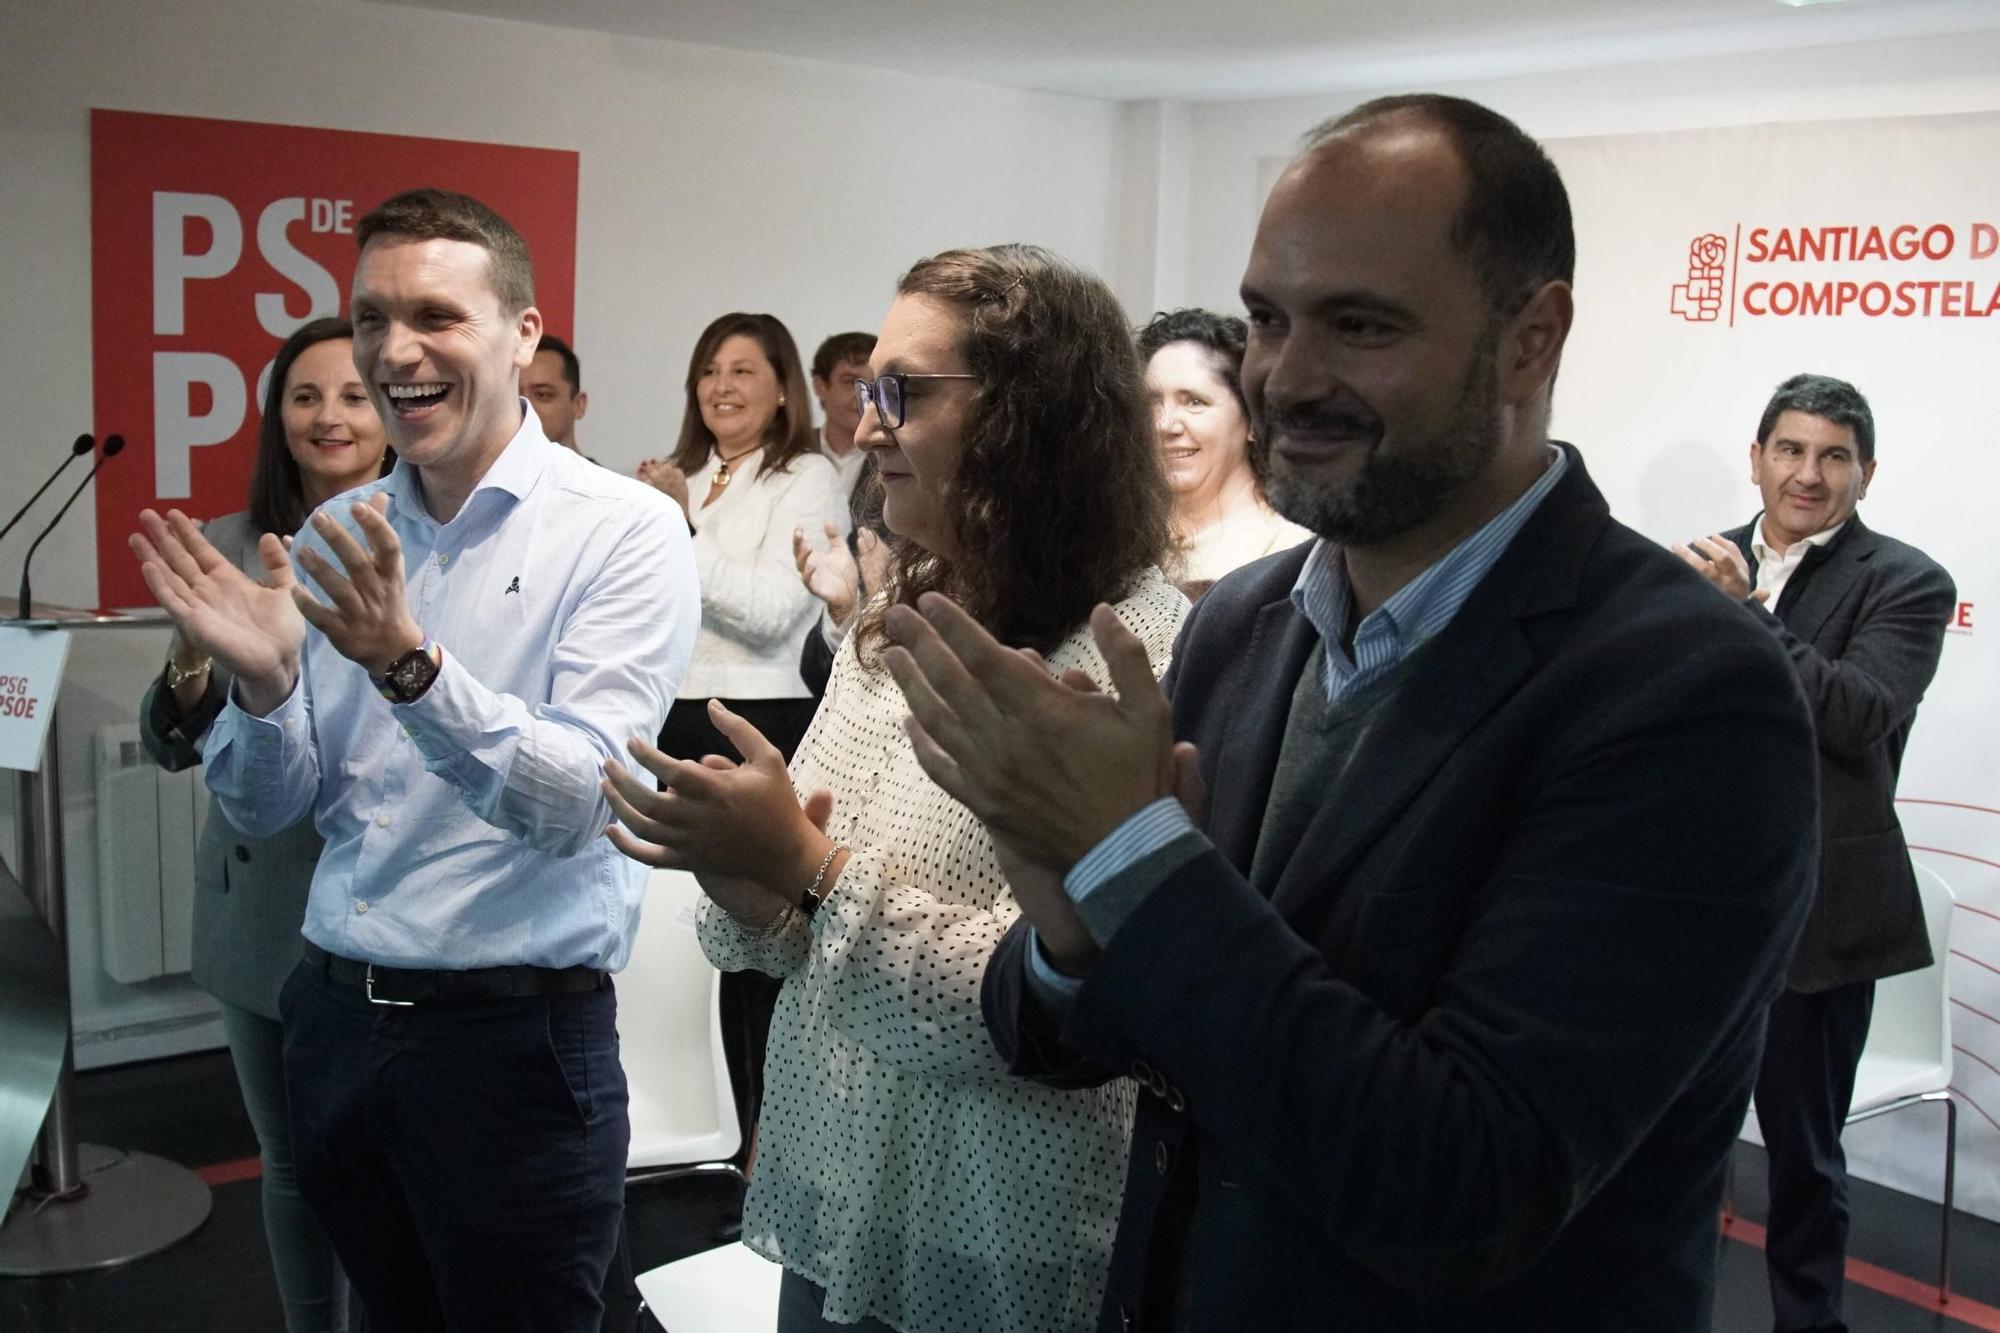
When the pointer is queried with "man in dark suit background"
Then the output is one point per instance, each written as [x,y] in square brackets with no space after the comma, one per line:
[1862,617]
[1447,1010]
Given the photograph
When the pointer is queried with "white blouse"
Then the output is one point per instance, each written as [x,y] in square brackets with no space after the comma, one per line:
[1251,533]
[755,610]
[899,1166]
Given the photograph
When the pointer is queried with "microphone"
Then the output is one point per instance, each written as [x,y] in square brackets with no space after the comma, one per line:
[84,444]
[112,445]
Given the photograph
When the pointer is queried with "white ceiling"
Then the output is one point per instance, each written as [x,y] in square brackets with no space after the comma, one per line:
[1206,50]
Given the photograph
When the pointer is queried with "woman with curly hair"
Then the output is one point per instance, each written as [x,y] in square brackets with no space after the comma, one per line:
[903,1179]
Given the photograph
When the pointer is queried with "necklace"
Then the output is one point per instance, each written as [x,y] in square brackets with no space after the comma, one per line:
[722,474]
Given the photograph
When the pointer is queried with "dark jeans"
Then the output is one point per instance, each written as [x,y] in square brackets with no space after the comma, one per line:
[748,998]
[1805,1082]
[468,1161]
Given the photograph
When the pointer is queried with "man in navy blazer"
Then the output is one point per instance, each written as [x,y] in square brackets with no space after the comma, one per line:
[1862,617]
[1446,1006]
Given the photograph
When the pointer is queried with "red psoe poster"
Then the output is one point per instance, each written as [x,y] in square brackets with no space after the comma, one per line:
[211,240]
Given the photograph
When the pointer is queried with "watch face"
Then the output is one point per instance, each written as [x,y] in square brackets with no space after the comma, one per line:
[412,673]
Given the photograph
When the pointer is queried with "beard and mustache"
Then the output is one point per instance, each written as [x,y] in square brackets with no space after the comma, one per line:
[1396,489]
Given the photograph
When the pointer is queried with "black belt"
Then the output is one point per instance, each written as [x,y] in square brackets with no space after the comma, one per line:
[413,985]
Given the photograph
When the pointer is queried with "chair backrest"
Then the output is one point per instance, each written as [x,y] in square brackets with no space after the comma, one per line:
[1912,1018]
[670,1035]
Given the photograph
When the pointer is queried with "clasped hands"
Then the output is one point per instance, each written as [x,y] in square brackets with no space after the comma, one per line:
[1050,764]
[256,628]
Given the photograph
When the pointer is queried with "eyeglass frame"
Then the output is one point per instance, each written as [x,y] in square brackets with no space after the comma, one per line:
[865,393]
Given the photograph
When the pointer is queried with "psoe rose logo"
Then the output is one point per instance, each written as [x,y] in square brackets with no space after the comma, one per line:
[1699,299]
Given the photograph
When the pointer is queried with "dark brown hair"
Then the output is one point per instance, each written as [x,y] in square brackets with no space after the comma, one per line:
[842,347]
[1514,225]
[1223,337]
[277,491]
[1058,501]
[440,215]
[790,433]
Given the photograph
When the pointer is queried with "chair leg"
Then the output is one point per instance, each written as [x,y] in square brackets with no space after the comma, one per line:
[1950,1171]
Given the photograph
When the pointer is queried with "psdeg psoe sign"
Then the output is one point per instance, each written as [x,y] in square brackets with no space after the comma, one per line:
[211,241]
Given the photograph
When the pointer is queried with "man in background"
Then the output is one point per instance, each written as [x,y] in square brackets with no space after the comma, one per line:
[1862,617]
[838,363]
[552,382]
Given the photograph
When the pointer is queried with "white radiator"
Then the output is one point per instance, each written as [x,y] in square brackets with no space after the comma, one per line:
[148,824]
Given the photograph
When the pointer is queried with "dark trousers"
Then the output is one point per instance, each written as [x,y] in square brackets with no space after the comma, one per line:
[1804,1084]
[467,1161]
[748,998]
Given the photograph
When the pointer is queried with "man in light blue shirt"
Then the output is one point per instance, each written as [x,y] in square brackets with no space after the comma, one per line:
[488,624]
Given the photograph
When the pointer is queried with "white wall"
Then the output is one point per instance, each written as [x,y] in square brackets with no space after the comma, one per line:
[1235,147]
[710,180]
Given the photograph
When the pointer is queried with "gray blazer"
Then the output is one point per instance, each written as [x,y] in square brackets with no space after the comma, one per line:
[1863,619]
[250,893]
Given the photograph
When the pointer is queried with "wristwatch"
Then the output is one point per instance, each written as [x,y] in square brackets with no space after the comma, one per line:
[410,675]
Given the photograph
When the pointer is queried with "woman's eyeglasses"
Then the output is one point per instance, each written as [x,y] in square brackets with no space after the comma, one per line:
[886,393]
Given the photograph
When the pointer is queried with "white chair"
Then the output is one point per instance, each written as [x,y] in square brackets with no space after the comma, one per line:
[1907,1059]
[683,1114]
[730,1289]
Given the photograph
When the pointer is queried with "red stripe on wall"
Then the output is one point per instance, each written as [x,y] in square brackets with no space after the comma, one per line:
[1963,856]
[1954,805]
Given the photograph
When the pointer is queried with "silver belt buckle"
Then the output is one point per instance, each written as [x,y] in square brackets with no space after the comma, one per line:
[368,982]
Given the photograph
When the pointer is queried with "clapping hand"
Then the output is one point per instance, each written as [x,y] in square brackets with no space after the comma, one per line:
[1718,560]
[669,480]
[369,621]
[739,827]
[251,627]
[1050,765]
[830,574]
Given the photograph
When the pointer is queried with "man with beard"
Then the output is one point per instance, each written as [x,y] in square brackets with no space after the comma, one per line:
[1445,1002]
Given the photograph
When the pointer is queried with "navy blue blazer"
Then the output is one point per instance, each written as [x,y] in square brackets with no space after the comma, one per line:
[1473,1056]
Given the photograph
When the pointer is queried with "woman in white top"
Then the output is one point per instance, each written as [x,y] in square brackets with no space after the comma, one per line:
[1215,464]
[748,472]
[903,1179]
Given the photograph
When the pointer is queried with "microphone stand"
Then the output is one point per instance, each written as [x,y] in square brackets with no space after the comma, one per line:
[83,445]
[112,445]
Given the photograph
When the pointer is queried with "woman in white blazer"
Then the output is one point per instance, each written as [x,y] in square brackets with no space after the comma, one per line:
[748,472]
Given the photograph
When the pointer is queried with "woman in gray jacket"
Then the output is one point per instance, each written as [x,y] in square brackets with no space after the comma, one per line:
[320,436]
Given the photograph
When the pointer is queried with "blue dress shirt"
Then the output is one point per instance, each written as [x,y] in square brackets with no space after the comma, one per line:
[1417,611]
[466,829]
